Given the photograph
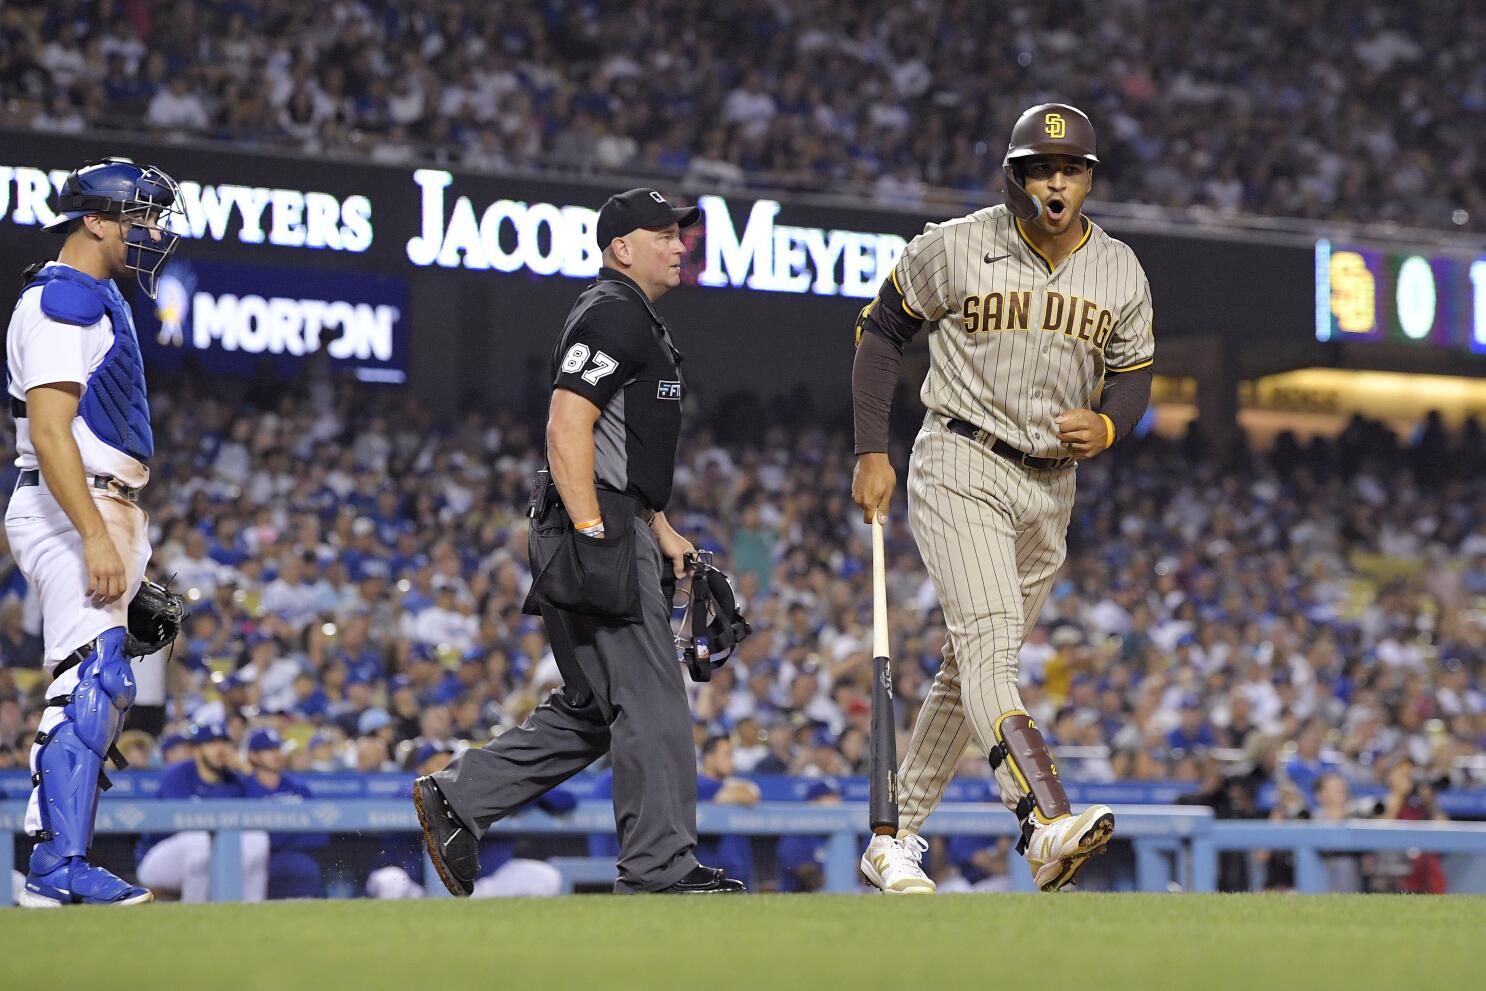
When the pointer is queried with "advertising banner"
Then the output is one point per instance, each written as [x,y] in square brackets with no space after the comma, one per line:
[489,264]
[228,318]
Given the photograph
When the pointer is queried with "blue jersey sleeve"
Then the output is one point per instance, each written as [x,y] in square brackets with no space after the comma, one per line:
[559,801]
[233,785]
[179,781]
[295,787]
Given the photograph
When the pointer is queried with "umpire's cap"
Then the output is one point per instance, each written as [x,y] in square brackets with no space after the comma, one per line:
[1046,129]
[636,208]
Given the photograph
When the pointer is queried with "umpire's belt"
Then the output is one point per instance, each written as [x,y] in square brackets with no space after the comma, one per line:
[643,512]
[32,476]
[967,429]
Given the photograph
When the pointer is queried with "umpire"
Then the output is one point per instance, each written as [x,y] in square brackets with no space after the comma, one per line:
[612,431]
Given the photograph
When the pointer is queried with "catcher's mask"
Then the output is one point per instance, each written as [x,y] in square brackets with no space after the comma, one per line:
[144,197]
[711,625]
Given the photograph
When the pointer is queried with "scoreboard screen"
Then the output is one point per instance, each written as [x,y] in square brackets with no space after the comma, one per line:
[1370,295]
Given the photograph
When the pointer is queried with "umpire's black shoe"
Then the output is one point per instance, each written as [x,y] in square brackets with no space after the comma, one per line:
[705,881]
[452,847]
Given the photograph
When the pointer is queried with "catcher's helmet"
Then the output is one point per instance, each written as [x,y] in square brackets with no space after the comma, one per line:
[135,192]
[1046,129]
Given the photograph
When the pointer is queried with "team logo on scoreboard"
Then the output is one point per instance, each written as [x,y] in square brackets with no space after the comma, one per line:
[173,304]
[1055,126]
[1353,293]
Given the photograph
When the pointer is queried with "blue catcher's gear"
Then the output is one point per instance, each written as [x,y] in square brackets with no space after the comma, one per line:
[146,198]
[55,881]
[116,404]
[68,775]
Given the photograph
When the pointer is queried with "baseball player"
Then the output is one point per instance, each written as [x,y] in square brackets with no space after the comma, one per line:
[180,863]
[77,393]
[1030,306]
[293,870]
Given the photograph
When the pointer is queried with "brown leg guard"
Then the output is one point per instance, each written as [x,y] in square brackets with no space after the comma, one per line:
[1026,775]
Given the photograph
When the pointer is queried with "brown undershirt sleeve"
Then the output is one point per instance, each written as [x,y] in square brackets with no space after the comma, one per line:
[874,377]
[1125,397]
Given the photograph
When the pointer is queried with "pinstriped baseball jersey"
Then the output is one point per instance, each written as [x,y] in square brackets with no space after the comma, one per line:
[1014,341]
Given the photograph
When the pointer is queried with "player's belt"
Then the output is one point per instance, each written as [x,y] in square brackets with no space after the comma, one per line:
[967,429]
[32,476]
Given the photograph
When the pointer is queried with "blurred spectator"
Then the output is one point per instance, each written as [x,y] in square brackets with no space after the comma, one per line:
[979,863]
[748,745]
[137,746]
[1258,591]
[1332,801]
[1307,766]
[973,863]
[1193,732]
[1411,796]
[10,758]
[177,108]
[293,871]
[715,783]
[802,859]
[60,116]
[179,864]
[18,648]
[1234,795]
[1381,100]
[507,870]
[174,748]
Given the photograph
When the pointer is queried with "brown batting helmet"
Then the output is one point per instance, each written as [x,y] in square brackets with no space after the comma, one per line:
[1046,129]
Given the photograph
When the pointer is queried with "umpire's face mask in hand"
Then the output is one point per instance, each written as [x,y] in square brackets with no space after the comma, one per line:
[711,624]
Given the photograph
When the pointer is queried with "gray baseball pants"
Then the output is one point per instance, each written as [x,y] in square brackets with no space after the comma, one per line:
[623,694]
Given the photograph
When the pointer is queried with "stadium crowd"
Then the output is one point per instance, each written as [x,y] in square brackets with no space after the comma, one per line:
[357,569]
[1356,112]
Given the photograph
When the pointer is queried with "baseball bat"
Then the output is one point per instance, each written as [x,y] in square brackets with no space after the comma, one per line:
[882,755]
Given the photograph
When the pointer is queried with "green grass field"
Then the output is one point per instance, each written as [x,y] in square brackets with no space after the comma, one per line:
[1067,942]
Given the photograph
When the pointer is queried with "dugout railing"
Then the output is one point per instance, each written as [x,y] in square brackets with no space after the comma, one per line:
[1175,847]
[1160,836]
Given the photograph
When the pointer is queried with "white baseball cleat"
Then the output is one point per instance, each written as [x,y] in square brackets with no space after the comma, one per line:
[1058,850]
[893,865]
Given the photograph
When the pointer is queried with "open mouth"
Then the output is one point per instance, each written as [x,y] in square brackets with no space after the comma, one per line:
[1055,208]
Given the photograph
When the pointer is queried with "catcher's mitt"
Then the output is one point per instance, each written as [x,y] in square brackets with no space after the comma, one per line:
[155,617]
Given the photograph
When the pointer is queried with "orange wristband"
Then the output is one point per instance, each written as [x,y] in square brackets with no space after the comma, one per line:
[588,523]
[1109,435]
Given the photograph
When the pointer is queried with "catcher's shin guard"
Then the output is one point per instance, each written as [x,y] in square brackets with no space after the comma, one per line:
[1026,775]
[67,764]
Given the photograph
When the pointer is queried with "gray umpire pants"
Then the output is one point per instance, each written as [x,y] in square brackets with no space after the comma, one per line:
[623,692]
